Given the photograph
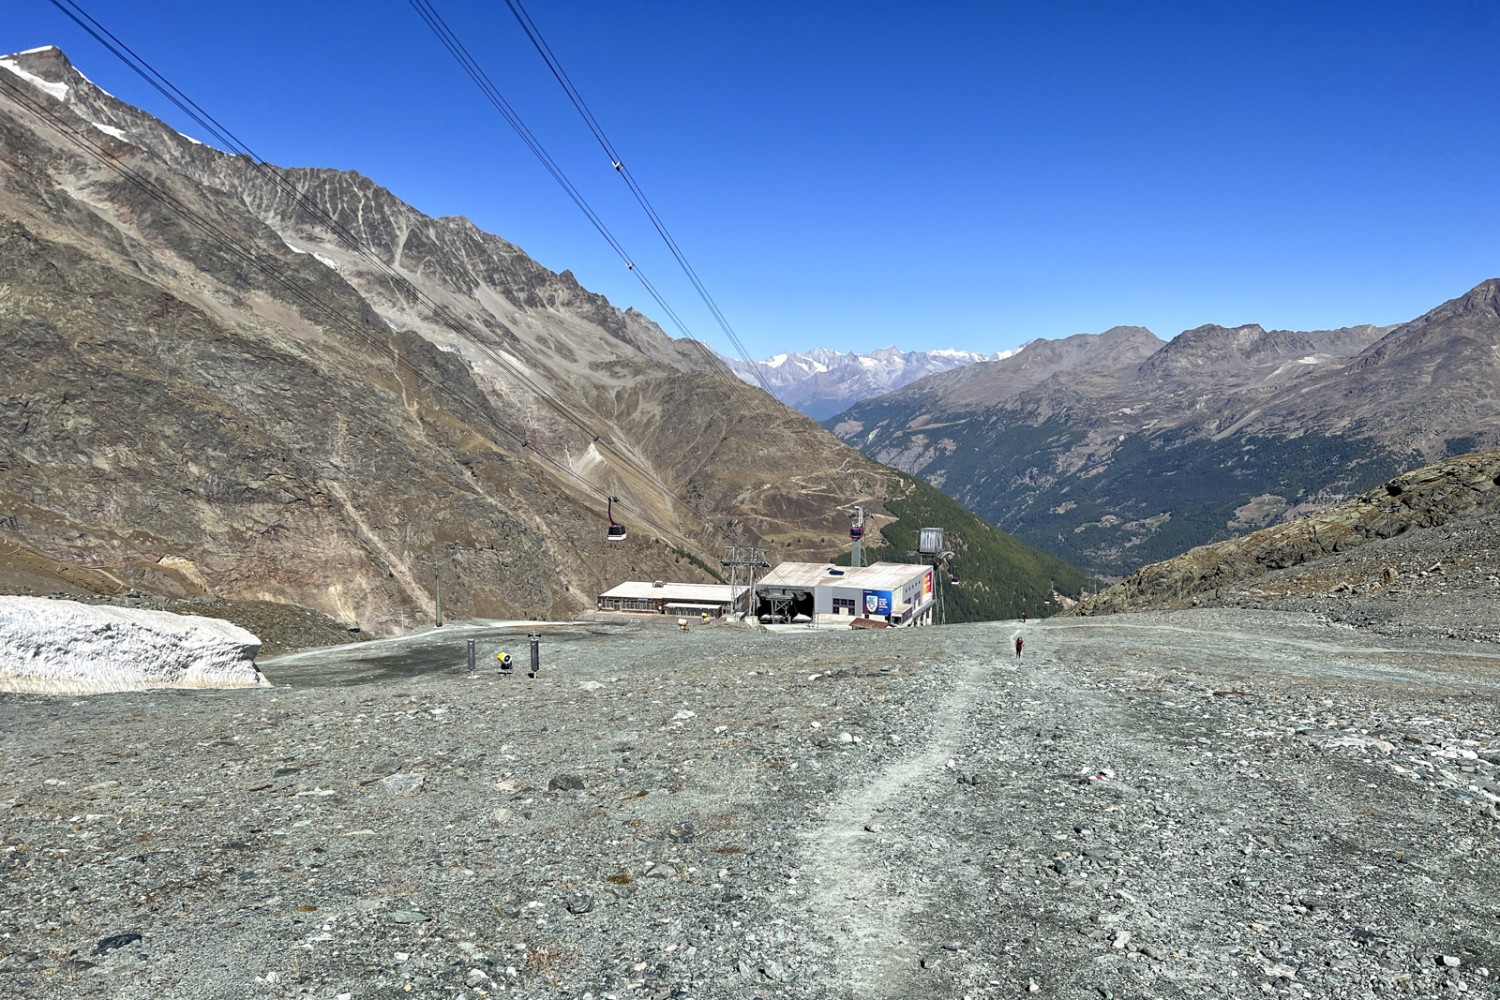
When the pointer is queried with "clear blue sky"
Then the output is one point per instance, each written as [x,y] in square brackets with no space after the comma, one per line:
[859,173]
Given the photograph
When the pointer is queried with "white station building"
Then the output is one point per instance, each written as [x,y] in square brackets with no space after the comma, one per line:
[889,593]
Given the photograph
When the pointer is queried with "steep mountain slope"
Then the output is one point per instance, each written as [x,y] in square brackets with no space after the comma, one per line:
[821,382]
[1433,531]
[1431,385]
[1148,451]
[234,379]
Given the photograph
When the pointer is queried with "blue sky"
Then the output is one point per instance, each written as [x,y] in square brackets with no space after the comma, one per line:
[857,174]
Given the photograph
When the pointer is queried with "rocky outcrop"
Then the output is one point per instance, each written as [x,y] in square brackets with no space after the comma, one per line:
[1430,497]
[67,648]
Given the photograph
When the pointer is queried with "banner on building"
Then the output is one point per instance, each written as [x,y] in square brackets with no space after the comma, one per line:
[877,602]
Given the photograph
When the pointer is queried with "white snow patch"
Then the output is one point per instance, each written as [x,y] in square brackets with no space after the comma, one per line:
[57,90]
[190,139]
[777,361]
[328,262]
[109,129]
[1309,360]
[67,648]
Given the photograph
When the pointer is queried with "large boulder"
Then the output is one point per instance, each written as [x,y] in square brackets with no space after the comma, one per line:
[62,647]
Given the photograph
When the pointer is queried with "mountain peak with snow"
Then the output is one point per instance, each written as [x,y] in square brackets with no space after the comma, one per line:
[821,382]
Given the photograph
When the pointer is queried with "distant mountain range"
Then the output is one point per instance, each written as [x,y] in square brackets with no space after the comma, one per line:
[1116,449]
[821,382]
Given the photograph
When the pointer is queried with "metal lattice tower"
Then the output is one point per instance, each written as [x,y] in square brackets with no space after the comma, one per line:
[742,561]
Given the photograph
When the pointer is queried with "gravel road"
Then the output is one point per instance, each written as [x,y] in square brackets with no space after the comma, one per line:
[1205,803]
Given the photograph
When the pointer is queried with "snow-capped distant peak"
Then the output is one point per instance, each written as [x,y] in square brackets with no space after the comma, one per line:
[963,356]
[821,382]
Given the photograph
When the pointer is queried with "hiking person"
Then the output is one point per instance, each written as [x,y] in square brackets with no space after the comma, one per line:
[1019,643]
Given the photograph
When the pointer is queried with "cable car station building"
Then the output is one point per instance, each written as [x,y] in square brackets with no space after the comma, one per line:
[892,593]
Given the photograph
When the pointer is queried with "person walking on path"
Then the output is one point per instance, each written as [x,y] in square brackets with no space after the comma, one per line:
[1019,643]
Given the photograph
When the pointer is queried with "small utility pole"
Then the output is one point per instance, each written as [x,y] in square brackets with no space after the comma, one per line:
[437,590]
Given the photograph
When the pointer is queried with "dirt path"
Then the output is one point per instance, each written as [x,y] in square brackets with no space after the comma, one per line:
[1172,809]
[843,850]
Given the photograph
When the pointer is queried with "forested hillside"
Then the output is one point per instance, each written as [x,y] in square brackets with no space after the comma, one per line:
[997,575]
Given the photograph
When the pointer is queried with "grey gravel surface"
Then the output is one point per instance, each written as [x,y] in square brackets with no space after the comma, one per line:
[1208,803]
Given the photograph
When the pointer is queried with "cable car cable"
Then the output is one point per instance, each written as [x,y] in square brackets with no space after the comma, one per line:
[481,79]
[617,162]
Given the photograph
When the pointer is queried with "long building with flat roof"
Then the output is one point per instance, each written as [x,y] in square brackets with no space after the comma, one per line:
[662,598]
[894,593]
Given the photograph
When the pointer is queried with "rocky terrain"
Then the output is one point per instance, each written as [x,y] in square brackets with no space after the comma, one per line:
[1115,450]
[1288,790]
[1201,803]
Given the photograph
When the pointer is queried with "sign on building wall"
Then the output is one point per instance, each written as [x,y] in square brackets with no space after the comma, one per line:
[877,602]
[926,585]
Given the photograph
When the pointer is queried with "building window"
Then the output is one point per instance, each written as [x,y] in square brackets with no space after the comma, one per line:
[842,605]
[627,604]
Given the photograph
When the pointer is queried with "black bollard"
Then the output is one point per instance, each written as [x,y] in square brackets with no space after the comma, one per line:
[536,652]
[473,666]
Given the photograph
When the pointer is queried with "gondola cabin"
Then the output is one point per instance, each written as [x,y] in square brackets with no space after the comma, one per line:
[617,531]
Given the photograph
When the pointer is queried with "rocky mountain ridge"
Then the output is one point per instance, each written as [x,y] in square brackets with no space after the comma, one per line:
[231,379]
[1375,548]
[822,382]
[1116,449]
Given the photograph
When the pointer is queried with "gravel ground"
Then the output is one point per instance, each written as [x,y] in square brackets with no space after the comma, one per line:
[1204,803]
